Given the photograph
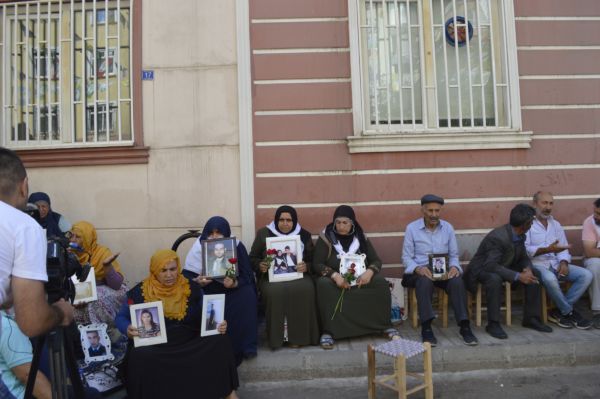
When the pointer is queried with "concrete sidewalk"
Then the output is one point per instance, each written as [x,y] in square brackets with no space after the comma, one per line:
[524,348]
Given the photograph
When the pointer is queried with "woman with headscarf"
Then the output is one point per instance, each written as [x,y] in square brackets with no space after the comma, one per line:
[290,303]
[240,294]
[187,365]
[109,278]
[366,309]
[54,223]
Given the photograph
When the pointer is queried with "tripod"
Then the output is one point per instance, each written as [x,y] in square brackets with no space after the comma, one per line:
[62,361]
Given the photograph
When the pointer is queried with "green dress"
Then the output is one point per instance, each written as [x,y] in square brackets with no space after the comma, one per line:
[294,300]
[365,310]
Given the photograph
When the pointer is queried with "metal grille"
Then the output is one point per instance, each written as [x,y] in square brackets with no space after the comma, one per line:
[66,73]
[434,64]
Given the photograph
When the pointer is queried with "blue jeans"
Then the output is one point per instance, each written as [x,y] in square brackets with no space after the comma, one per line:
[579,276]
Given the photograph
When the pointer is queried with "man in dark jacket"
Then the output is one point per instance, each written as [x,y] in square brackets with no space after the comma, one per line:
[501,256]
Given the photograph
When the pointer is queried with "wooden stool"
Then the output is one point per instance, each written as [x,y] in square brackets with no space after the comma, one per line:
[400,350]
[442,298]
[507,301]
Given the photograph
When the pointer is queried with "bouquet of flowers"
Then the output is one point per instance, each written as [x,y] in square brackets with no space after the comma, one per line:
[231,272]
[349,277]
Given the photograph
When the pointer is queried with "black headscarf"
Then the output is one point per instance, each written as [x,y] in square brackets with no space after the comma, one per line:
[285,209]
[52,219]
[346,240]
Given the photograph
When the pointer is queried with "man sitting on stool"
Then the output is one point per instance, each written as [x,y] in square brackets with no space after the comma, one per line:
[501,256]
[548,249]
[431,235]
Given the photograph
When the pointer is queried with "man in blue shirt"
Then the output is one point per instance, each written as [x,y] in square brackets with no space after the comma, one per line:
[431,235]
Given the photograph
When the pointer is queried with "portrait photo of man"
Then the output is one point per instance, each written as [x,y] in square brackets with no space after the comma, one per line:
[96,348]
[216,258]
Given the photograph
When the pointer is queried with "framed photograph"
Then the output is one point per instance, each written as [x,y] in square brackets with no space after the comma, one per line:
[216,254]
[149,319]
[289,254]
[85,291]
[213,313]
[354,264]
[95,343]
[438,264]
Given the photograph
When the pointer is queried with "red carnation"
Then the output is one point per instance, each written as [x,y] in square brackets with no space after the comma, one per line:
[351,271]
[233,261]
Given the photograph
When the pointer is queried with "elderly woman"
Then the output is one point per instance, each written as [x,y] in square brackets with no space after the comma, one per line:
[366,308]
[287,301]
[240,293]
[54,223]
[109,279]
[187,365]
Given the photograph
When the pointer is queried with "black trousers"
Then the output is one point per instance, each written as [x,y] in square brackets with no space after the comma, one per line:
[454,287]
[493,284]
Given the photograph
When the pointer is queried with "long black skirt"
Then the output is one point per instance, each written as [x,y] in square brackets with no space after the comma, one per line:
[188,366]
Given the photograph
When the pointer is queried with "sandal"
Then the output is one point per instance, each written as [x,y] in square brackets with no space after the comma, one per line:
[326,341]
[392,334]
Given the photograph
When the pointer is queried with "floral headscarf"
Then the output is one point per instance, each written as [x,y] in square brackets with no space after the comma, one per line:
[174,297]
[92,252]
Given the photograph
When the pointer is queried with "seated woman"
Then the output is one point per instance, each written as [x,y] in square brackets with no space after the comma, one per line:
[291,301]
[187,365]
[109,279]
[366,310]
[56,225]
[240,294]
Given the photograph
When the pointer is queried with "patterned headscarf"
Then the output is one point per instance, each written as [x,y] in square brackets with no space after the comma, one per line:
[92,252]
[174,297]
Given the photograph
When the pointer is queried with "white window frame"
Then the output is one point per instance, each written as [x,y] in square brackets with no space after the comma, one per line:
[33,137]
[439,139]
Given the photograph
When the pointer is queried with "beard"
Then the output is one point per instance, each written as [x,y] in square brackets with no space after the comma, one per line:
[544,215]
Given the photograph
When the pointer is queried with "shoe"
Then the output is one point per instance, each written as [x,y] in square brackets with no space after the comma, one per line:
[494,329]
[562,321]
[579,322]
[427,336]
[535,324]
[596,321]
[392,334]
[326,341]
[468,337]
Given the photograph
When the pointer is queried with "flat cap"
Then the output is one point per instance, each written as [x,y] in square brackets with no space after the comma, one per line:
[429,198]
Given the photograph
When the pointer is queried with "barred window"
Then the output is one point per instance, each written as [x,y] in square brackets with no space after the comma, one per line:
[66,73]
[435,66]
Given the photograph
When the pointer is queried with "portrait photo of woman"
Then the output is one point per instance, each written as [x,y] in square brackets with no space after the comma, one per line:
[147,327]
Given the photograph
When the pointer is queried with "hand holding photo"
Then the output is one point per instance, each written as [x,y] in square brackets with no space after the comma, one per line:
[438,264]
[149,320]
[285,254]
[351,267]
[213,313]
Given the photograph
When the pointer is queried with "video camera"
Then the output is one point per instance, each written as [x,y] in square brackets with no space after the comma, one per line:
[61,265]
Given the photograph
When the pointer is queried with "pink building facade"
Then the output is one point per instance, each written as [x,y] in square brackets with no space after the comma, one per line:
[304,121]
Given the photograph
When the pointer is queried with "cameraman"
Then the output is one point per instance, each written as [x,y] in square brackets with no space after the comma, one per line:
[23,256]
